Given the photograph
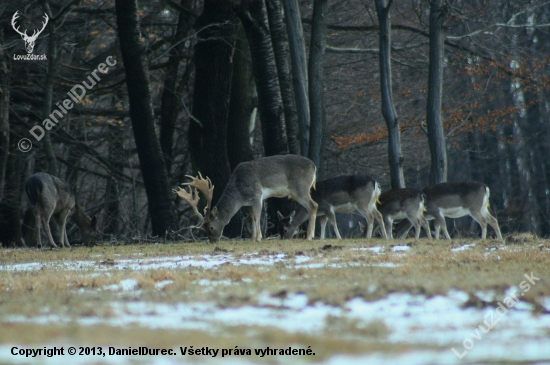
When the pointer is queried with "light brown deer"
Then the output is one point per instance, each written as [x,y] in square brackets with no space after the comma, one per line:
[403,203]
[455,200]
[343,194]
[50,196]
[250,184]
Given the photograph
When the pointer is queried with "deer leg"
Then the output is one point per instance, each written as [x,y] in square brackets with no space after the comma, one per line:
[416,223]
[253,224]
[482,222]
[323,221]
[38,221]
[440,223]
[365,212]
[370,213]
[305,201]
[332,219]
[403,228]
[63,235]
[426,226]
[67,238]
[493,222]
[388,222]
[416,229]
[437,229]
[256,214]
[378,217]
[46,222]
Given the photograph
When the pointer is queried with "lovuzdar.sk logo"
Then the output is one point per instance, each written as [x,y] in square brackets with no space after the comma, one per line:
[29,39]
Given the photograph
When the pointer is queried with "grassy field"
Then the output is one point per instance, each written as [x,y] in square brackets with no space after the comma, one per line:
[399,301]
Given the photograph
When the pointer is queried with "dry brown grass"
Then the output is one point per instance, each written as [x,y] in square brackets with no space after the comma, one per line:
[333,275]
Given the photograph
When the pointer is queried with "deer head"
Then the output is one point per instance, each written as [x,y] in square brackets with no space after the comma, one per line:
[87,225]
[29,40]
[286,229]
[208,222]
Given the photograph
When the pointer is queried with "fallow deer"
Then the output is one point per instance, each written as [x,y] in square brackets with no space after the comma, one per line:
[455,200]
[50,196]
[249,185]
[401,204]
[343,194]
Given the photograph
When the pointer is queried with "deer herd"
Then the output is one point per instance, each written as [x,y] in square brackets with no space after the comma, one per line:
[293,176]
[282,176]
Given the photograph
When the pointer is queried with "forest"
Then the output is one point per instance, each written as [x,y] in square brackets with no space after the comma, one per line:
[122,99]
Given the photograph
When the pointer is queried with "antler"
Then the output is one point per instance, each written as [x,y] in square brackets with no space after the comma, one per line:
[205,186]
[13,19]
[192,198]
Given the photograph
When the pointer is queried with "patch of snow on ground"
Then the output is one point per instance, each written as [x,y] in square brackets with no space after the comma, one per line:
[376,249]
[173,262]
[163,283]
[401,248]
[464,247]
[412,319]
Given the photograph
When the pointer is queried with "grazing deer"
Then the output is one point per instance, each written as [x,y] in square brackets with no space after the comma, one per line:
[343,194]
[401,204]
[50,196]
[250,184]
[455,200]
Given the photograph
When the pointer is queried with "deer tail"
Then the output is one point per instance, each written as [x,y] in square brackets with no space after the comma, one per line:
[377,192]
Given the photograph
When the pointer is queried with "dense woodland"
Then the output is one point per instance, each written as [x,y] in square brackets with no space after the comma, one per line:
[411,92]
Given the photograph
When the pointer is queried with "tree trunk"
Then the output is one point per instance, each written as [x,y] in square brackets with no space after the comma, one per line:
[111,221]
[151,162]
[240,105]
[48,91]
[4,116]
[169,99]
[279,40]
[395,156]
[316,82]
[299,70]
[253,17]
[436,135]
[10,207]
[213,72]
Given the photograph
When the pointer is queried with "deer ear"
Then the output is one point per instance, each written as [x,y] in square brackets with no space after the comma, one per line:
[214,212]
[94,221]
[280,216]
[292,215]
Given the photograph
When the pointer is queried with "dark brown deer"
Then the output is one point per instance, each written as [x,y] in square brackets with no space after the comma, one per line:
[401,204]
[50,196]
[455,200]
[343,194]
[250,184]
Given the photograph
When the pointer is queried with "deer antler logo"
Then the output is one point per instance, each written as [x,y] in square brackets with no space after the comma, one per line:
[29,40]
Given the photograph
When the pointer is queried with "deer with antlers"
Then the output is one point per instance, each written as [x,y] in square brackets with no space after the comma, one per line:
[29,40]
[250,184]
